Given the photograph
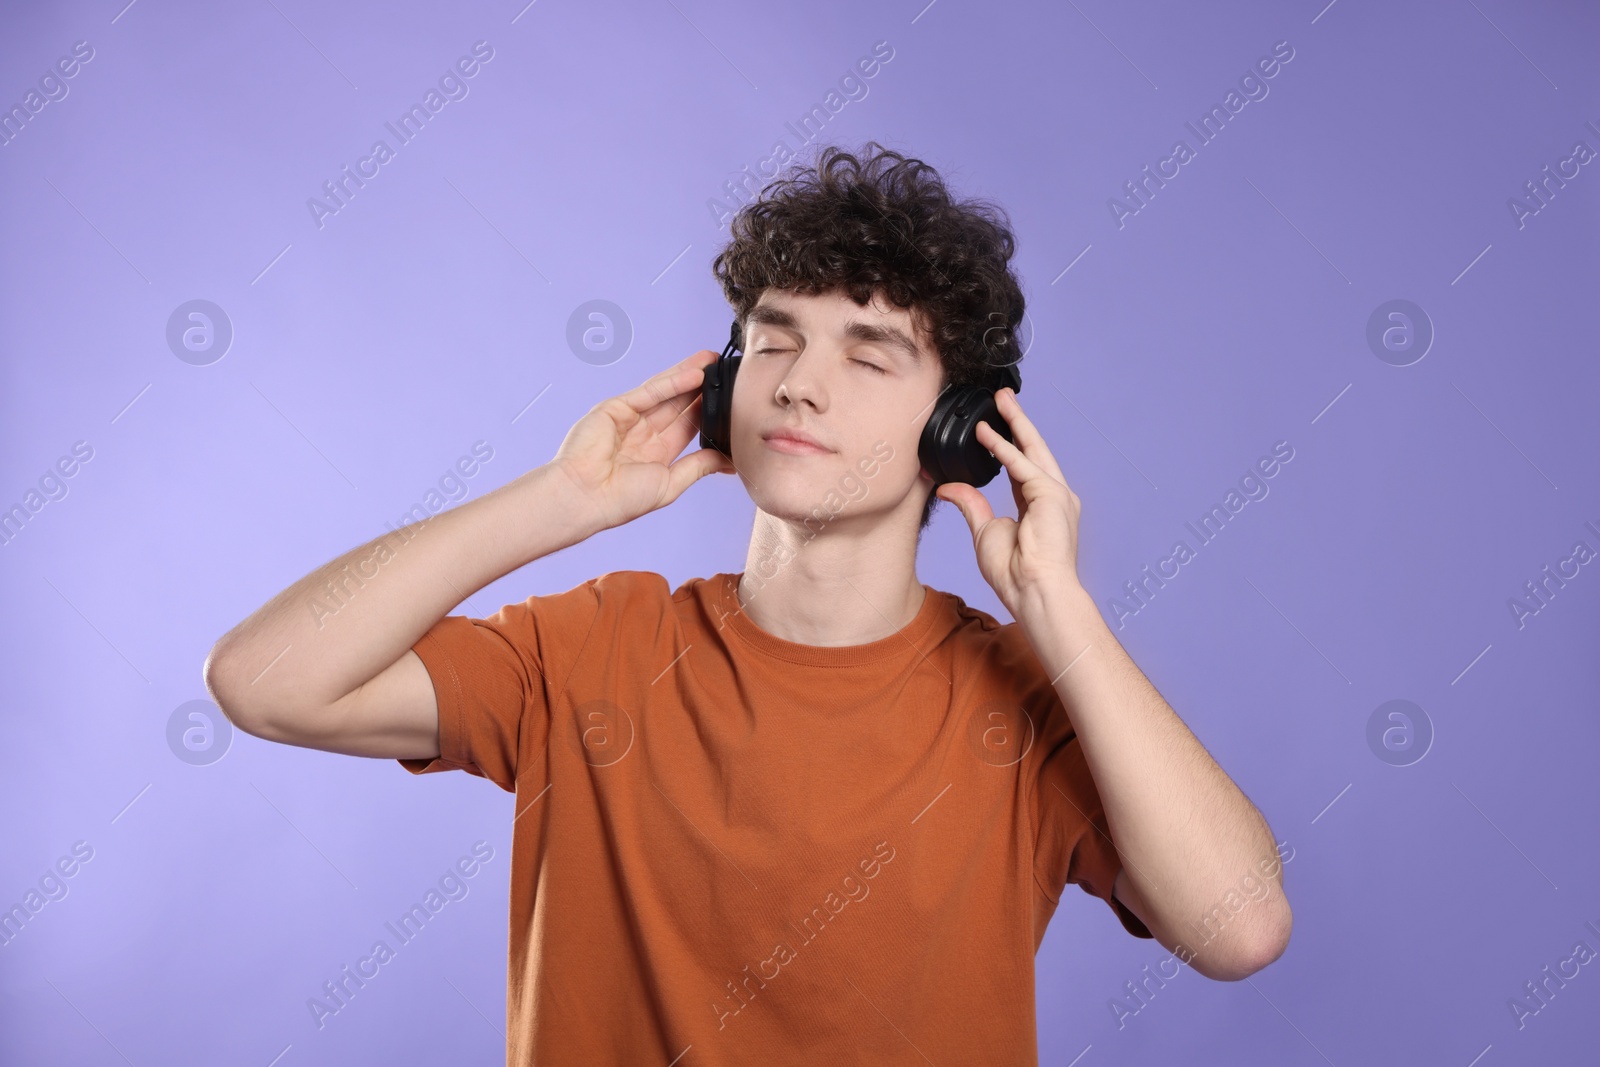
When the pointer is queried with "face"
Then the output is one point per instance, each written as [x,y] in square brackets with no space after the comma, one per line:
[860,380]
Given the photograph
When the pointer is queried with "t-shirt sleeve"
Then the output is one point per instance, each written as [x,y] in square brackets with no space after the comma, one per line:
[495,681]
[1072,842]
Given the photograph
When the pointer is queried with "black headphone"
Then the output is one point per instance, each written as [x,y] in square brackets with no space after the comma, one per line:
[949,449]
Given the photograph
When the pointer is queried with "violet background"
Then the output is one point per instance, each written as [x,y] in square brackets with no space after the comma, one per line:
[370,353]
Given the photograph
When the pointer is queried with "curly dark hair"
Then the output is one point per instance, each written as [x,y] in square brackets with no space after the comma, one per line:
[884,223]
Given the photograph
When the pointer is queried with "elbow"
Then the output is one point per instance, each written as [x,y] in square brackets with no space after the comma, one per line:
[1261,953]
[263,711]
[1262,958]
[220,675]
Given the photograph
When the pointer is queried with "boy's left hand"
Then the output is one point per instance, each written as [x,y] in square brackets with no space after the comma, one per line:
[1035,554]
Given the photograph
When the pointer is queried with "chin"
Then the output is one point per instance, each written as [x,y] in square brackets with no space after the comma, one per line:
[823,487]
[788,497]
[821,502]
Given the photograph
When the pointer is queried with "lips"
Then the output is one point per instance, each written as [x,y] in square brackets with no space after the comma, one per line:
[795,439]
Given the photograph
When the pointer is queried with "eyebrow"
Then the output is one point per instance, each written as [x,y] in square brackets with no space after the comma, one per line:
[888,336]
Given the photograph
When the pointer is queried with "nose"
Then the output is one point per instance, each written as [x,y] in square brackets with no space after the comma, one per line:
[801,384]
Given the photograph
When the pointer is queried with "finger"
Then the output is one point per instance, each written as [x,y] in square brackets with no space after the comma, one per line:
[675,407]
[691,468]
[982,521]
[1010,456]
[973,505]
[1026,434]
[675,421]
[676,380]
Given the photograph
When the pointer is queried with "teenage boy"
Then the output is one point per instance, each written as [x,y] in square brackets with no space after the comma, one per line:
[814,811]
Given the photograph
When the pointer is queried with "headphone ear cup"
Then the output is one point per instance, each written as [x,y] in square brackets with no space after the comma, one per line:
[928,452]
[949,449]
[716,401]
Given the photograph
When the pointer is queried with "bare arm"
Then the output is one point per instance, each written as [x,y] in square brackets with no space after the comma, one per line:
[327,663]
[1184,832]
[346,629]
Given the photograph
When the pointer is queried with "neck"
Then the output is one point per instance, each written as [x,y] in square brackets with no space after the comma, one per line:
[836,588]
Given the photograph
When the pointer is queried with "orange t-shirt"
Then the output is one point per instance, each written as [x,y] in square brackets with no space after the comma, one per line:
[729,848]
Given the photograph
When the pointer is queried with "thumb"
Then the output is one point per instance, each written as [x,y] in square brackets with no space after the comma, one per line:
[974,505]
[691,468]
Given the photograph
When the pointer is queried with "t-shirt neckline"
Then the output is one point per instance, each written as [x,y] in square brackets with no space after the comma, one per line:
[908,640]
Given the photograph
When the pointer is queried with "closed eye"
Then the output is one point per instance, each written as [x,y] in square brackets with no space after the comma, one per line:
[864,363]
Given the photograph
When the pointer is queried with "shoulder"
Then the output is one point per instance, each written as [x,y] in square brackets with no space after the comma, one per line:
[643,598]
[986,644]
[631,583]
[572,610]
[651,582]
[1002,674]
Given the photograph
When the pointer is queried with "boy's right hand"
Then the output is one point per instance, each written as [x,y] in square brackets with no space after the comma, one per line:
[620,455]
